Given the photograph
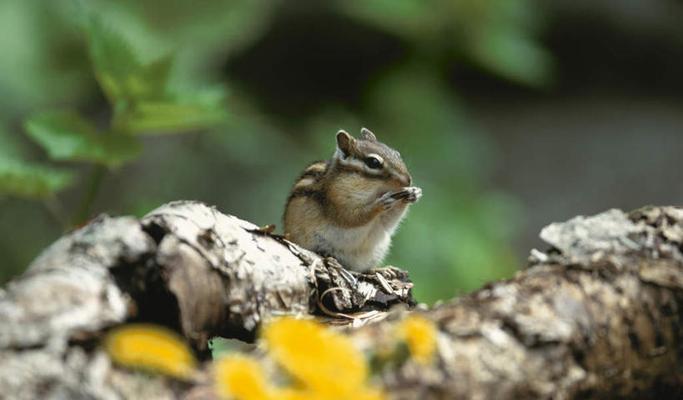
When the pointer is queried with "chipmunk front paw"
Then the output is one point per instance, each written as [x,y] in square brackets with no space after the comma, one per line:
[410,194]
[406,195]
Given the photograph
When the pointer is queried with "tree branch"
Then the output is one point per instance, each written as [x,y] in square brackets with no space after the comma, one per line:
[598,315]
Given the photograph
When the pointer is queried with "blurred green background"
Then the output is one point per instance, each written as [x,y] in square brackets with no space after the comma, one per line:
[509,113]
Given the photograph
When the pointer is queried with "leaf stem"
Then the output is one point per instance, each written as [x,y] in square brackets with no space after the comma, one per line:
[96,177]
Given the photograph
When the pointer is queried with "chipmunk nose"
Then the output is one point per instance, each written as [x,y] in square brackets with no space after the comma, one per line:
[407,180]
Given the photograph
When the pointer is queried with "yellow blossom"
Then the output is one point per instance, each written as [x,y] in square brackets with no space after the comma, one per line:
[151,348]
[324,361]
[296,394]
[242,378]
[368,394]
[303,394]
[419,334]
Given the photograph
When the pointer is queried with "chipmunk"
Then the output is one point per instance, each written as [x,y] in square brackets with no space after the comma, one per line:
[348,207]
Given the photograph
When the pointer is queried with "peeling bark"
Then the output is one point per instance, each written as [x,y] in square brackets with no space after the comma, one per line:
[596,316]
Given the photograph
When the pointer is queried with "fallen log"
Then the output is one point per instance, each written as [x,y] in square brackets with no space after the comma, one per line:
[596,316]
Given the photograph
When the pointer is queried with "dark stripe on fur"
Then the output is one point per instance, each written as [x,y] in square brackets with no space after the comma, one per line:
[351,169]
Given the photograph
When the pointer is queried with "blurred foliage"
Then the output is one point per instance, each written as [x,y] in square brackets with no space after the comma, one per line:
[66,136]
[28,179]
[86,81]
[497,35]
[141,102]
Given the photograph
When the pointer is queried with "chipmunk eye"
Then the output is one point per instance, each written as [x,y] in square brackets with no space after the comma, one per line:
[373,162]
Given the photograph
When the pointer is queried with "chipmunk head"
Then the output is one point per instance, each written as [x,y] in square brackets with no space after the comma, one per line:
[371,158]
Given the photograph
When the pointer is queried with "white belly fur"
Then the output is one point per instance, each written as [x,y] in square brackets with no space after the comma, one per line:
[363,247]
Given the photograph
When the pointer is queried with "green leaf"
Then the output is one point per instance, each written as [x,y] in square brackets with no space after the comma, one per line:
[151,80]
[113,57]
[139,92]
[514,57]
[68,137]
[407,18]
[31,180]
[119,70]
[188,112]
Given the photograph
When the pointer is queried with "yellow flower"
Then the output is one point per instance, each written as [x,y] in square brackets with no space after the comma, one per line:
[322,360]
[242,378]
[325,364]
[296,394]
[368,394]
[151,348]
[419,334]
[360,394]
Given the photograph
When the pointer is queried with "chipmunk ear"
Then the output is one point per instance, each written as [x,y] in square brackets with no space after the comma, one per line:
[345,142]
[366,134]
